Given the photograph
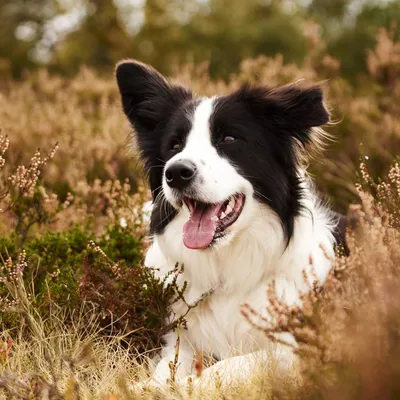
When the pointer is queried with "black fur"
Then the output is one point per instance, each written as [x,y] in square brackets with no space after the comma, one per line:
[268,125]
[158,111]
[151,104]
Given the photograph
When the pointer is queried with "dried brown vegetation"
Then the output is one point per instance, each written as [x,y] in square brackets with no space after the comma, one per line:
[76,306]
[348,331]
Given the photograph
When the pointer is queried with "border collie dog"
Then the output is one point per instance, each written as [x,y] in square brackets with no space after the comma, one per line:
[232,203]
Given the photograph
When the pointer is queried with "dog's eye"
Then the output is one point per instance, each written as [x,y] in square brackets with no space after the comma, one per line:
[176,146]
[228,139]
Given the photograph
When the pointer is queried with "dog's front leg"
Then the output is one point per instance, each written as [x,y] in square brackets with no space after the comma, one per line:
[277,360]
[177,359]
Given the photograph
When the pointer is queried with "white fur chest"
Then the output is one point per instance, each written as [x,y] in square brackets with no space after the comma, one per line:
[239,273]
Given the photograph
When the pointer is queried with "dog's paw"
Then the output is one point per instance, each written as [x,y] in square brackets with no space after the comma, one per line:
[147,386]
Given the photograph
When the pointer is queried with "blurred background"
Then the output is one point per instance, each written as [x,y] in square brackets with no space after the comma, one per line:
[57,59]
[57,85]
[62,35]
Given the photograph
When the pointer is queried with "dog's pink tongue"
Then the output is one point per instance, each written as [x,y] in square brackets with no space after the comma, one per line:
[199,231]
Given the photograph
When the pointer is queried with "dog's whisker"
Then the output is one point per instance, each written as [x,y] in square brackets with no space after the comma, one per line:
[155,166]
[261,195]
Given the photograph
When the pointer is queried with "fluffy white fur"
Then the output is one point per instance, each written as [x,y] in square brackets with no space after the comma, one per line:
[239,268]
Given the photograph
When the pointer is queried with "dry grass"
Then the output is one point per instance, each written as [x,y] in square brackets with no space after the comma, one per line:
[78,360]
[348,332]
[77,363]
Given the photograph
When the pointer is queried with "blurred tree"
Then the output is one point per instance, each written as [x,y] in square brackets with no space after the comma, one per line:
[351,27]
[231,32]
[99,40]
[328,10]
[164,38]
[67,33]
[221,31]
[21,29]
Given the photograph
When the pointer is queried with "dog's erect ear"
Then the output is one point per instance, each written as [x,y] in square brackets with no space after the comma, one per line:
[303,106]
[299,109]
[148,100]
[147,97]
[289,108]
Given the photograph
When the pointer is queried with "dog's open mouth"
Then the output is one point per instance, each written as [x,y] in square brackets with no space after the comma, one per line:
[207,222]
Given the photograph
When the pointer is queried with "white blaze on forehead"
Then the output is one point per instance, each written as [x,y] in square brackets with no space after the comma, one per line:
[200,136]
[216,178]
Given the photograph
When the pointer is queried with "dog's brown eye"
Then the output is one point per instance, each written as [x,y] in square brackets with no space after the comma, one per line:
[228,139]
[176,146]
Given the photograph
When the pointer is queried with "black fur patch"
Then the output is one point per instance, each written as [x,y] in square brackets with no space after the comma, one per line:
[266,124]
[160,114]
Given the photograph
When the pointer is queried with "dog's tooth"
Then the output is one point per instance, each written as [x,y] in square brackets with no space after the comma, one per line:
[214,218]
[228,209]
[223,215]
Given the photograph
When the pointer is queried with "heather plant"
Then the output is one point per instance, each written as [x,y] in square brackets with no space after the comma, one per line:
[73,234]
[49,258]
[83,115]
[347,331]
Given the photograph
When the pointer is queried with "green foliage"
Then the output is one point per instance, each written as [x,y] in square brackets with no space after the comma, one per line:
[49,262]
[166,33]
[64,271]
[21,14]
[120,244]
[56,259]
[47,265]
[354,39]
[30,211]
[100,30]
[56,265]
[221,37]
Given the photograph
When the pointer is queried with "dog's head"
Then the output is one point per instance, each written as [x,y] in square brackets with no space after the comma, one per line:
[216,159]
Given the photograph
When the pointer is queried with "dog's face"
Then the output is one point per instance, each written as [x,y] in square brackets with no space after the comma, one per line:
[216,159]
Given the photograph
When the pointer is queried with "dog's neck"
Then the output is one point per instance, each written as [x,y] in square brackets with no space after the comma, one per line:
[258,253]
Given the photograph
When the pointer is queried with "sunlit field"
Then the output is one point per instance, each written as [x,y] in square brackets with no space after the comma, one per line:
[80,316]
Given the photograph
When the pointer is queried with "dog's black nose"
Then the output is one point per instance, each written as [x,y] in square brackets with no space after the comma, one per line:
[179,174]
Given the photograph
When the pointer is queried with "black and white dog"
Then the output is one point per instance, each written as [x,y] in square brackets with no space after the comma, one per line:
[232,202]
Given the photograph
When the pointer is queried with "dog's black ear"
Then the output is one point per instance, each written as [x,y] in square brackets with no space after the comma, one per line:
[289,109]
[147,97]
[299,109]
[148,101]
